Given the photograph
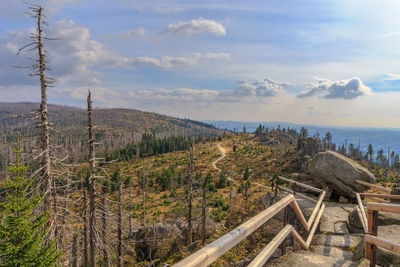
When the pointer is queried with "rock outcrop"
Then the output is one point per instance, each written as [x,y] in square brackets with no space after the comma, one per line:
[336,174]
[165,238]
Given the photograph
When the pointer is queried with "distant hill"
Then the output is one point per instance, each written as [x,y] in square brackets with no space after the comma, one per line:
[378,137]
[116,127]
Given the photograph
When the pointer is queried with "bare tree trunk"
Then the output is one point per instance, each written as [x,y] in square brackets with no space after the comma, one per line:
[130,206]
[119,264]
[85,228]
[145,185]
[45,141]
[203,226]
[92,163]
[104,232]
[65,213]
[74,259]
[190,184]
[58,241]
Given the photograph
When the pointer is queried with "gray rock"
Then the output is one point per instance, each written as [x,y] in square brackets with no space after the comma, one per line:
[311,259]
[330,217]
[354,219]
[340,241]
[343,200]
[337,173]
[387,218]
[341,228]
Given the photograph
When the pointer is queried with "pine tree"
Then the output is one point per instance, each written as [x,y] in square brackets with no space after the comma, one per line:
[23,235]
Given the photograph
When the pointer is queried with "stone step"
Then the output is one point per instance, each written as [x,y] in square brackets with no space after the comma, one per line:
[333,252]
[341,241]
[311,259]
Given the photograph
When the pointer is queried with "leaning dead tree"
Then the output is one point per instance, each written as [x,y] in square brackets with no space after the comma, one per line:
[92,169]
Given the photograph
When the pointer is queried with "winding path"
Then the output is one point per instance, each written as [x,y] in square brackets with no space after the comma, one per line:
[223,155]
[223,152]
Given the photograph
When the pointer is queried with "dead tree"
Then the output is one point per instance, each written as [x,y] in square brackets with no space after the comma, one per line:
[203,225]
[74,259]
[145,188]
[119,263]
[130,205]
[64,214]
[190,191]
[39,68]
[104,228]
[92,169]
[85,224]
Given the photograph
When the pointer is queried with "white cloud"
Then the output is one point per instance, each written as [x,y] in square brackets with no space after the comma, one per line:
[392,76]
[196,27]
[99,94]
[258,88]
[344,89]
[74,56]
[130,34]
[169,10]
[167,62]
[250,91]
[391,34]
[165,96]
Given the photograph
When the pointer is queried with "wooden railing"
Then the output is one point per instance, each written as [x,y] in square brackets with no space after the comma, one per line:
[370,222]
[219,247]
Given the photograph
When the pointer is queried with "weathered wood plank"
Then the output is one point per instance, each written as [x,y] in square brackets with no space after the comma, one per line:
[380,195]
[389,245]
[297,194]
[301,184]
[300,215]
[364,223]
[373,185]
[314,228]
[216,249]
[394,208]
[364,217]
[316,209]
[264,255]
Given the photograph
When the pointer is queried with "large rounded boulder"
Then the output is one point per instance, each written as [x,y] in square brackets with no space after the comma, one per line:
[336,174]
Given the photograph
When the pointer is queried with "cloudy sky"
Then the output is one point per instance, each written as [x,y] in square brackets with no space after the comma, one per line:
[331,62]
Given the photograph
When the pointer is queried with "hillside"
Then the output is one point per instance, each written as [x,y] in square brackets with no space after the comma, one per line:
[115,127]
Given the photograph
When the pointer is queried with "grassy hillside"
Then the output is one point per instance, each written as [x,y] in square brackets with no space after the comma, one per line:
[116,128]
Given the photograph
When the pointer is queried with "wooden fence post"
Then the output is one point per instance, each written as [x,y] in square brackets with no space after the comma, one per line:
[372,230]
[285,222]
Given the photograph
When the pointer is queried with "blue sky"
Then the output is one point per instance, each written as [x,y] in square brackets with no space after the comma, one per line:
[317,62]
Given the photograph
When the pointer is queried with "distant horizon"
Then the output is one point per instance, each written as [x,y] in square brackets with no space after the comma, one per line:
[210,121]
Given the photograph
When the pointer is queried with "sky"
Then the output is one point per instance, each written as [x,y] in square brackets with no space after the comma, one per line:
[330,62]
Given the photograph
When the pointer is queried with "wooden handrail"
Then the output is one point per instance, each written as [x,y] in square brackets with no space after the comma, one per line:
[264,255]
[297,194]
[363,217]
[394,208]
[389,245]
[373,185]
[301,184]
[379,195]
[314,228]
[371,239]
[217,248]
